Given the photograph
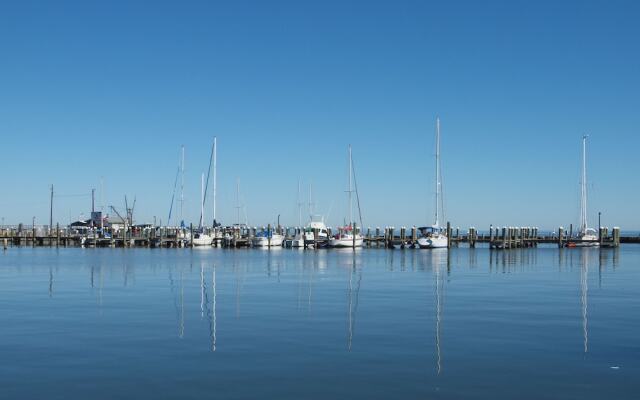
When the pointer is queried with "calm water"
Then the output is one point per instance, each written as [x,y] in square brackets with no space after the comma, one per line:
[283,324]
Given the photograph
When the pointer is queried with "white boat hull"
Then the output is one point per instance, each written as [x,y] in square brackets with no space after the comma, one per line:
[433,242]
[276,241]
[202,240]
[587,241]
[346,242]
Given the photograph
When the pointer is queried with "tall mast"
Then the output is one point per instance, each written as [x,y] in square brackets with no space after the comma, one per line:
[182,186]
[215,166]
[437,217]
[350,189]
[583,187]
[299,204]
[238,198]
[201,199]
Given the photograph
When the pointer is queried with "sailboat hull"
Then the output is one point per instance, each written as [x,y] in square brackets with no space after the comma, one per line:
[276,241]
[346,242]
[433,242]
[202,240]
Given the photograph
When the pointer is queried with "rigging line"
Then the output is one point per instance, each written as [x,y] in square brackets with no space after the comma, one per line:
[204,199]
[175,185]
[355,183]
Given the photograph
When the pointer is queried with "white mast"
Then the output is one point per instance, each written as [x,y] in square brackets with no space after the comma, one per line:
[238,198]
[583,187]
[438,183]
[182,186]
[350,189]
[215,166]
[299,204]
[201,199]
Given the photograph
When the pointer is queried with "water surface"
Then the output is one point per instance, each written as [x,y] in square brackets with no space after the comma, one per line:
[287,324]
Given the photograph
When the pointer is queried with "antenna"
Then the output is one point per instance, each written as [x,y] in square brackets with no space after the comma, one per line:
[311,210]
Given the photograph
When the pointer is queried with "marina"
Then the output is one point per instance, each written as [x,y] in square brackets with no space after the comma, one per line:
[235,236]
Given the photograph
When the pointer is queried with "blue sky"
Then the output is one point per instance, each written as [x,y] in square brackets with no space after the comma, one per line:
[93,91]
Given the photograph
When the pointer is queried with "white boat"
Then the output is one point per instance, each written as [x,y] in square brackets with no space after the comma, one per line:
[346,237]
[435,237]
[267,238]
[307,235]
[587,237]
[202,239]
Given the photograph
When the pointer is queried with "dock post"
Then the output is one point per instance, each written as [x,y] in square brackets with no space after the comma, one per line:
[616,236]
[472,237]
[560,236]
[448,234]
[414,235]
[601,235]
[268,235]
[377,236]
[403,235]
[191,234]
[389,243]
[58,235]
[490,235]
[570,231]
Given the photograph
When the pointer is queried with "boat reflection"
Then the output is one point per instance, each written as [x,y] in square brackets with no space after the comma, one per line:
[353,292]
[208,307]
[584,291]
[440,259]
[178,301]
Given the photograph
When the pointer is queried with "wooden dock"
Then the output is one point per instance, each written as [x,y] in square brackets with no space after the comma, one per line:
[503,238]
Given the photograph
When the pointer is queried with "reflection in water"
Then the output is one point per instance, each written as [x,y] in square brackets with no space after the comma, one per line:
[50,281]
[353,294]
[437,260]
[214,309]
[584,288]
[178,302]
[209,306]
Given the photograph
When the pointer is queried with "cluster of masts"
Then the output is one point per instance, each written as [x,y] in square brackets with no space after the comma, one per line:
[316,231]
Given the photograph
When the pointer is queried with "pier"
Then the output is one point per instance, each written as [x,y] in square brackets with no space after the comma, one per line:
[498,238]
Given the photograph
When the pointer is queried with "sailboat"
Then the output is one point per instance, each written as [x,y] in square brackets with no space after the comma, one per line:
[307,234]
[587,237]
[434,236]
[201,238]
[346,237]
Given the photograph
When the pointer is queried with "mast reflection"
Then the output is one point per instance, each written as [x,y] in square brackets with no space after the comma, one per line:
[584,290]
[438,258]
[353,297]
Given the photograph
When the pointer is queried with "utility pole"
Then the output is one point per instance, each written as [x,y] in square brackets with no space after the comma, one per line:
[51,211]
